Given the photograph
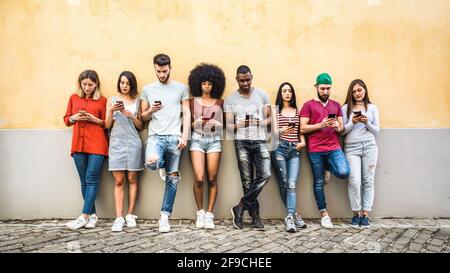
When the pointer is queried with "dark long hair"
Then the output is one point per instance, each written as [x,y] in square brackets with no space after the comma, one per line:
[350,101]
[132,80]
[279,100]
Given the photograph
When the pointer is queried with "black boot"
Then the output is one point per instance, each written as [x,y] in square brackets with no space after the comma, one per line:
[256,220]
[238,213]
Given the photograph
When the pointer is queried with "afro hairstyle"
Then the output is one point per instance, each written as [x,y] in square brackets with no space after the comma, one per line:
[207,72]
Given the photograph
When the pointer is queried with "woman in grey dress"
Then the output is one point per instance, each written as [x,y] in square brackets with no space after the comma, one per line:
[123,117]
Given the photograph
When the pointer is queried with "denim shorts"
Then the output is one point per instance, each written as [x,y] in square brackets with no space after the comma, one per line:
[205,144]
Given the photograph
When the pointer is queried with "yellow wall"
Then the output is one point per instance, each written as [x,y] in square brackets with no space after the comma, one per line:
[401,48]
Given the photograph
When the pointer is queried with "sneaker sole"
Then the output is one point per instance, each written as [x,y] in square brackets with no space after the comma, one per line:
[302,227]
[73,228]
[258,229]
[199,226]
[292,230]
[232,213]
[354,226]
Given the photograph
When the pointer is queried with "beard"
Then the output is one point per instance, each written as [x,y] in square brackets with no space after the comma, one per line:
[323,98]
[165,80]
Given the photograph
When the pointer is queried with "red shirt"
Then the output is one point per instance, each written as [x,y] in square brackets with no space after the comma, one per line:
[325,139]
[87,137]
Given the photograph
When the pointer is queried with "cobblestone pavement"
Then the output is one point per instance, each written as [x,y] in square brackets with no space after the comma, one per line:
[385,235]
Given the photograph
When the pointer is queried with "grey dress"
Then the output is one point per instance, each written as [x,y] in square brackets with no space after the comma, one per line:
[125,145]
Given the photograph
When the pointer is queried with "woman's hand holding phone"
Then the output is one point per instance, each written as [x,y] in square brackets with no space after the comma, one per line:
[128,114]
[286,130]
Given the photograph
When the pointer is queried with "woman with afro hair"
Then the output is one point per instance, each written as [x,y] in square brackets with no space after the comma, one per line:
[206,84]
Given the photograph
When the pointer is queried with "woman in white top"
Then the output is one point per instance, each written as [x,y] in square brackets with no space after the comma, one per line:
[362,124]
[123,117]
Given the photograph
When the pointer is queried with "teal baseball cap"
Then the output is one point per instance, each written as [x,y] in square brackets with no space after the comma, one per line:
[323,78]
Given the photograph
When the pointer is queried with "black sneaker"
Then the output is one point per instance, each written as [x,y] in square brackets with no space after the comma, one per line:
[256,221]
[237,212]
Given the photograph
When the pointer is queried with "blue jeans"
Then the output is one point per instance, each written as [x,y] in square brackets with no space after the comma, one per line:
[250,154]
[89,167]
[286,163]
[164,148]
[337,165]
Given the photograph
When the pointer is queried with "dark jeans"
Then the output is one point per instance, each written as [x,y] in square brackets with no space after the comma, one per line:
[337,164]
[89,167]
[252,154]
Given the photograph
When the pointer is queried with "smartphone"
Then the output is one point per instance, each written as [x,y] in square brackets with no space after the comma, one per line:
[158,102]
[292,124]
[248,117]
[331,115]
[82,112]
[357,113]
[119,102]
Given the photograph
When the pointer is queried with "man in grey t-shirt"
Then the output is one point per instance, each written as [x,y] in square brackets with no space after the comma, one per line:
[162,103]
[248,115]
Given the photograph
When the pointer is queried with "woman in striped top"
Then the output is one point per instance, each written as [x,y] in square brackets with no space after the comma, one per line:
[286,158]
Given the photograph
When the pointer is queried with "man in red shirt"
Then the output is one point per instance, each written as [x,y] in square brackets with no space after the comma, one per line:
[321,119]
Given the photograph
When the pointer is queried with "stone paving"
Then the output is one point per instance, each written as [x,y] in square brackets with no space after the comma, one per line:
[385,235]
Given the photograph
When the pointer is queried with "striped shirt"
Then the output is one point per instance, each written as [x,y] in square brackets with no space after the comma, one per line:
[284,121]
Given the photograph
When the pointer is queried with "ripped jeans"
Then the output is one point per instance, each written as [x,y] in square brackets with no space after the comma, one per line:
[254,167]
[286,163]
[164,149]
[362,157]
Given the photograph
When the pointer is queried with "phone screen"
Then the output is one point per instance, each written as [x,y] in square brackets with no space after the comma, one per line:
[331,115]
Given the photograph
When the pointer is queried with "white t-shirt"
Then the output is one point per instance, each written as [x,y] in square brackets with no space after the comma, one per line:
[168,120]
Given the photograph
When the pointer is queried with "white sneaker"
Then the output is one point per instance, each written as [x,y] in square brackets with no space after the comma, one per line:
[209,220]
[92,220]
[200,219]
[326,176]
[131,220]
[77,223]
[326,222]
[164,223]
[118,224]
[162,174]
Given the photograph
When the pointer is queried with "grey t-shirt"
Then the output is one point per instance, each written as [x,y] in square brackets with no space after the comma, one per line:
[254,105]
[166,121]
[360,131]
